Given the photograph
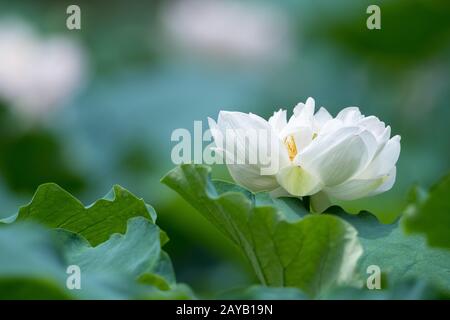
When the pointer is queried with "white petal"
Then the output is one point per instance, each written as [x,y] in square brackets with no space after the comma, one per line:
[303,117]
[349,115]
[354,189]
[305,110]
[373,124]
[216,133]
[234,120]
[250,177]
[389,181]
[323,142]
[240,132]
[371,146]
[332,126]
[246,139]
[336,157]
[302,136]
[384,137]
[297,181]
[385,160]
[279,120]
[321,117]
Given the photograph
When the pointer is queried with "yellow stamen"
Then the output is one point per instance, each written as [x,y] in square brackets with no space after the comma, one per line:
[291,146]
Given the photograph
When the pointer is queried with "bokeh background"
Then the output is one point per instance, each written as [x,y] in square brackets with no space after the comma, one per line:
[95,107]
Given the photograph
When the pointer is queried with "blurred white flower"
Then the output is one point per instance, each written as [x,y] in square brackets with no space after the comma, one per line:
[37,74]
[250,32]
[347,157]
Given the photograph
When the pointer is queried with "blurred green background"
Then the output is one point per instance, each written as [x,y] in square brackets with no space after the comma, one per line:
[141,69]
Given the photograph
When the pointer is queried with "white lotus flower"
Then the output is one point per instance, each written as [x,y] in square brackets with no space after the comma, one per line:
[347,157]
[245,31]
[36,73]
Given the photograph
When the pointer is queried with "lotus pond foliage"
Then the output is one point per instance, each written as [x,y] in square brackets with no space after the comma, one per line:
[295,254]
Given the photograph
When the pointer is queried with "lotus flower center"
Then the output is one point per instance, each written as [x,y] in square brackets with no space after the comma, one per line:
[289,142]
